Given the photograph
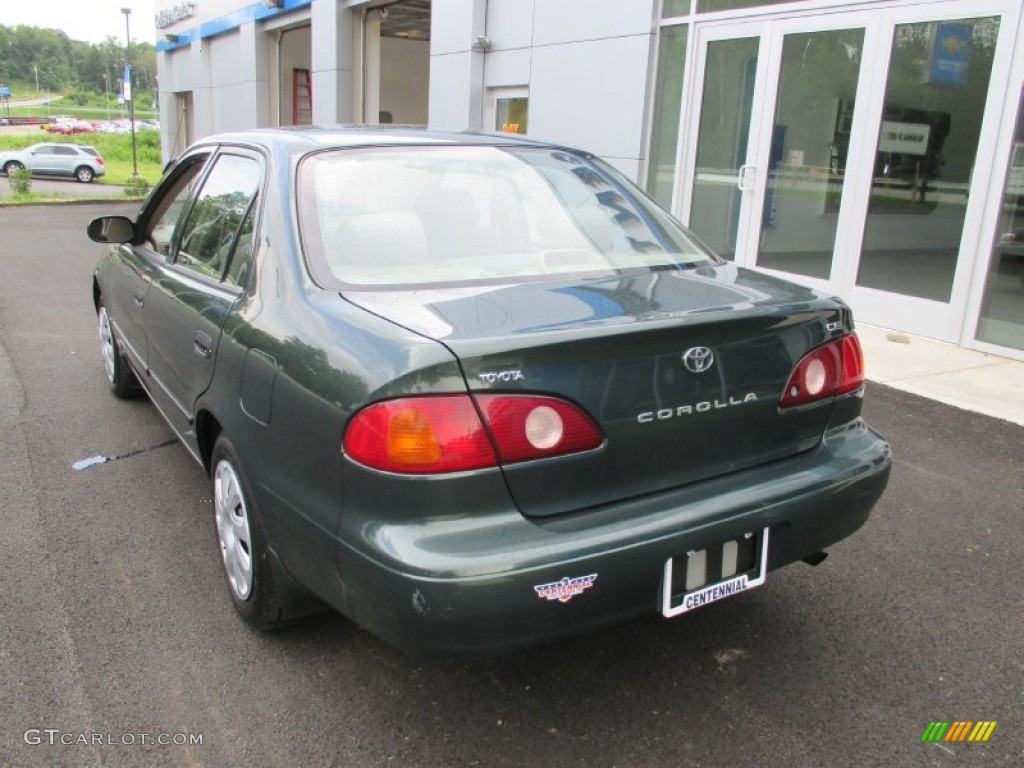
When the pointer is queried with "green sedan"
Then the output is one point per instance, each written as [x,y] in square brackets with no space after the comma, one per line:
[477,392]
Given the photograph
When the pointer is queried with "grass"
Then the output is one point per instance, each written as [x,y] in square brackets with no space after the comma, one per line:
[116,149]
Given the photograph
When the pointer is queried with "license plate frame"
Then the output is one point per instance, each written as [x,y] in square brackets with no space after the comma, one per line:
[713,591]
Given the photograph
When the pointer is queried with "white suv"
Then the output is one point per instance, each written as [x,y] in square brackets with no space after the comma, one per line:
[77,160]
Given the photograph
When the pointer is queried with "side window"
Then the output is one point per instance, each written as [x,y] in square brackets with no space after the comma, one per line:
[171,208]
[65,151]
[241,259]
[43,151]
[215,219]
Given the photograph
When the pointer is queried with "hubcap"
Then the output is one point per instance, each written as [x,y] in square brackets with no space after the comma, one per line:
[233,529]
[107,344]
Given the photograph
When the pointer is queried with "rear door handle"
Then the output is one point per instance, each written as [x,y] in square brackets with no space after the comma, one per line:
[203,344]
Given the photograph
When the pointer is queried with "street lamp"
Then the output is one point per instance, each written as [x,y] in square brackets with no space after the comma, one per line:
[128,85]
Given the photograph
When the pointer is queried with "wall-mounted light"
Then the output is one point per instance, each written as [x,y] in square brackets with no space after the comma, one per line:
[274,3]
[481,43]
[172,38]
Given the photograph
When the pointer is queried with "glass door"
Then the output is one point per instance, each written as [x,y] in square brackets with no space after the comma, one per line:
[720,155]
[815,80]
[932,165]
[775,135]
[852,152]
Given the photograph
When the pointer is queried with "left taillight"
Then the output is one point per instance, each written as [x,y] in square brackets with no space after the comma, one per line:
[444,433]
[831,369]
[99,160]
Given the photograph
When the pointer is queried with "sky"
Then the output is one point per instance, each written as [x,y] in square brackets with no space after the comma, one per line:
[88,20]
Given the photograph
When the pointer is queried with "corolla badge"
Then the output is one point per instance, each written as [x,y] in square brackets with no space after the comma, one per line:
[698,359]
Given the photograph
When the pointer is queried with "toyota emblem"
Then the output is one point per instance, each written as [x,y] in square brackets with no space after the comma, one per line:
[698,359]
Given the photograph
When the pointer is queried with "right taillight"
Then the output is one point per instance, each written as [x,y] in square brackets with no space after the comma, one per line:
[831,369]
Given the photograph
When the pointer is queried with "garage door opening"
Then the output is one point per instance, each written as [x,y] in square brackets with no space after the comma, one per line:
[396,62]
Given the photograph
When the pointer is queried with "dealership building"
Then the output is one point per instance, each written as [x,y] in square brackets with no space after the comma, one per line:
[872,149]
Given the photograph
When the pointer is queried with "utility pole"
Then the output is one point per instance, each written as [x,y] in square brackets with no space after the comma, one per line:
[106,88]
[128,88]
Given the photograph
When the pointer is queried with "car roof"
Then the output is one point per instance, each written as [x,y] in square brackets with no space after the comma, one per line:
[301,139]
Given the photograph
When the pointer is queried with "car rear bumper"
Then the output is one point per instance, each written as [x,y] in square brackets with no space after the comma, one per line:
[432,594]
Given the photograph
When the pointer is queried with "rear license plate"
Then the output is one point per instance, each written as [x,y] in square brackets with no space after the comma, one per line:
[708,575]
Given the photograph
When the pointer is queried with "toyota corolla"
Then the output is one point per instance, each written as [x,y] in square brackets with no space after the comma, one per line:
[476,392]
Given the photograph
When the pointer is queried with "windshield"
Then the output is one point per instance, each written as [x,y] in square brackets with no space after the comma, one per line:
[383,217]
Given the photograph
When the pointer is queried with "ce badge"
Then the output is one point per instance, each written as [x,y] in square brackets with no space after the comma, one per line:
[698,359]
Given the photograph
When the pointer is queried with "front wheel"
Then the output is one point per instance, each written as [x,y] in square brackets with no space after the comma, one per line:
[243,544]
[84,174]
[13,165]
[120,378]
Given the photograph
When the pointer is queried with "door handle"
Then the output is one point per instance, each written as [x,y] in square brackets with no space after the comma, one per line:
[747,173]
[203,344]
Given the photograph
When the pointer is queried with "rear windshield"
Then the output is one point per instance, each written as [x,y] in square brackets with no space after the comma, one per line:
[402,216]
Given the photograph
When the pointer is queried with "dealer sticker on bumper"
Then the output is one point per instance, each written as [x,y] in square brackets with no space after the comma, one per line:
[708,575]
[565,590]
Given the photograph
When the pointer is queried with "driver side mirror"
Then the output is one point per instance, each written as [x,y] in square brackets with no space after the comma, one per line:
[111,229]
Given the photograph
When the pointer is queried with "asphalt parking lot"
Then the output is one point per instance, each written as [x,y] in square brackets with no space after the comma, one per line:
[115,625]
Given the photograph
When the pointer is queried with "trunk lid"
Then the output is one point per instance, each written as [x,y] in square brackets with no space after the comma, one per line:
[615,346]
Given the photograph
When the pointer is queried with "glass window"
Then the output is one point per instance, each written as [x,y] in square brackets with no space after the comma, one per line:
[725,113]
[661,165]
[48,149]
[675,8]
[511,111]
[169,212]
[707,6]
[810,144]
[1002,305]
[216,216]
[240,262]
[400,216]
[65,151]
[927,141]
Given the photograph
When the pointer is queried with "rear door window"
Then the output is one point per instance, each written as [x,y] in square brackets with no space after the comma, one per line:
[215,220]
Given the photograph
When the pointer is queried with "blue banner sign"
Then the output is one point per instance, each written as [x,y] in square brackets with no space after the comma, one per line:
[951,53]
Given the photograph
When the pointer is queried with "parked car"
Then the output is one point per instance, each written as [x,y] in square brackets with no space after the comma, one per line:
[77,160]
[477,392]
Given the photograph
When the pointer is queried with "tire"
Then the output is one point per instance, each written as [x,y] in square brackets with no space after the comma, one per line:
[120,377]
[248,566]
[84,174]
[12,165]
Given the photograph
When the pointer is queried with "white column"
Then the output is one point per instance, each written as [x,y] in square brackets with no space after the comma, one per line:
[456,69]
[255,50]
[332,62]
[202,88]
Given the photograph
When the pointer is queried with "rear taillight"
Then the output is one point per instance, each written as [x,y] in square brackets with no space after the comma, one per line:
[831,369]
[99,160]
[531,427]
[444,433]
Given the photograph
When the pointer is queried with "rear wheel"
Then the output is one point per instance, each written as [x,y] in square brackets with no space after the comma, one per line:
[84,174]
[242,542]
[12,165]
[119,376]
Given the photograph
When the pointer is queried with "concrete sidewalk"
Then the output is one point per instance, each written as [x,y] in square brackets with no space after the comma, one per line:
[964,378]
